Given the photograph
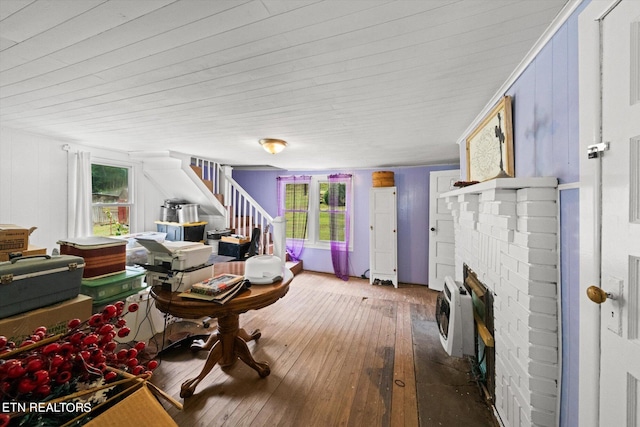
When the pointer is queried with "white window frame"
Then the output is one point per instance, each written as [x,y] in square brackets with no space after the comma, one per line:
[313,220]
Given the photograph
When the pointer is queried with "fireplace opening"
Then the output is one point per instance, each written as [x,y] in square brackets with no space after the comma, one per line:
[483,360]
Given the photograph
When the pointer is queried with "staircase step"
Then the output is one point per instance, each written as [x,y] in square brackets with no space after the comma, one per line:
[198,171]
[294,266]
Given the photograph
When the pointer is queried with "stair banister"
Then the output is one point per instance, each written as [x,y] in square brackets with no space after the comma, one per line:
[242,212]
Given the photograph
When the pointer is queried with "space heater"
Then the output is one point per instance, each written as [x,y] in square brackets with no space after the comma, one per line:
[454,314]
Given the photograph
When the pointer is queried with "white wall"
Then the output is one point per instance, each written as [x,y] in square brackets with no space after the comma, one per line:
[33,185]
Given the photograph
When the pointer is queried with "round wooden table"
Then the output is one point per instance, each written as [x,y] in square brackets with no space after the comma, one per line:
[230,341]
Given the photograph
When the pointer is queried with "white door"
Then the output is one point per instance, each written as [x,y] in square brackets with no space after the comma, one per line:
[441,245]
[383,241]
[619,400]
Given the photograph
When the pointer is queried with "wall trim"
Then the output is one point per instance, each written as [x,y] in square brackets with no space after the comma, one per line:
[548,34]
[569,186]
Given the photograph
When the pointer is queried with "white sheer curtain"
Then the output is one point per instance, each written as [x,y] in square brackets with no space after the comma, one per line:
[80,222]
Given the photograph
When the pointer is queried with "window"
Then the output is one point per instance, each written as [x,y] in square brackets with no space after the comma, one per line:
[295,209]
[110,199]
[320,212]
[331,207]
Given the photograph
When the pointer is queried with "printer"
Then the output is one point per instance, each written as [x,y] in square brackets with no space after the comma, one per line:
[176,265]
[176,255]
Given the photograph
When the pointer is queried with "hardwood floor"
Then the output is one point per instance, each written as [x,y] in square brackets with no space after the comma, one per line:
[341,353]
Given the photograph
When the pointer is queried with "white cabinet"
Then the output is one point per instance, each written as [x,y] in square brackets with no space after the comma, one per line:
[383,237]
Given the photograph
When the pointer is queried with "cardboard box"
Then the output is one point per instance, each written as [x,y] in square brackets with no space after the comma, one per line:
[31,250]
[140,408]
[13,238]
[238,240]
[54,317]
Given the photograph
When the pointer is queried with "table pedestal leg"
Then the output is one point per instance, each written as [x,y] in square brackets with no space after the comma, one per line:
[242,352]
[226,347]
[255,335]
[189,386]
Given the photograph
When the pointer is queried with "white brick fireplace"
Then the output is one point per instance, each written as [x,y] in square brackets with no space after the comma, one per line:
[506,230]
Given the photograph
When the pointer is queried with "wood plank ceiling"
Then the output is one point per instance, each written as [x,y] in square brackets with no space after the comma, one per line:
[349,84]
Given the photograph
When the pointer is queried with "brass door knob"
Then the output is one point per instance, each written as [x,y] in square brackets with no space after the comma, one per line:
[597,295]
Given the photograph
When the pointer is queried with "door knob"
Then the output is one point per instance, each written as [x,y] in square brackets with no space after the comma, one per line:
[432,229]
[597,295]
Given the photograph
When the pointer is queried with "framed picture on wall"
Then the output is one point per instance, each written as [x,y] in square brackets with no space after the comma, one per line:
[490,145]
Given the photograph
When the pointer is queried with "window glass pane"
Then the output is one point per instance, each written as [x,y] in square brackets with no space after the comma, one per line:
[333,196]
[295,210]
[110,220]
[296,224]
[325,229]
[332,207]
[297,197]
[109,184]
[110,200]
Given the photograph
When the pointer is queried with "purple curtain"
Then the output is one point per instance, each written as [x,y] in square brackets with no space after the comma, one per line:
[339,201]
[293,205]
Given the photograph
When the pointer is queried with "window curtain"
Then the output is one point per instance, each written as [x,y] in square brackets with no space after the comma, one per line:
[80,223]
[294,207]
[339,223]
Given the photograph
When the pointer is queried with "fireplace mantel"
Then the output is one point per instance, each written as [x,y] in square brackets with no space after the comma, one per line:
[504,184]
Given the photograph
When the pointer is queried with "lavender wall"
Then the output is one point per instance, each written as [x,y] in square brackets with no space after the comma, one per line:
[545,121]
[570,293]
[546,144]
[413,211]
[545,101]
[545,110]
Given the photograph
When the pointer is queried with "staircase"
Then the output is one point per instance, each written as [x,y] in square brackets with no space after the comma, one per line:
[242,212]
[210,185]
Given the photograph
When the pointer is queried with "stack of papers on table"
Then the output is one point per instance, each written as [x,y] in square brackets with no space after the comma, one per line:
[218,289]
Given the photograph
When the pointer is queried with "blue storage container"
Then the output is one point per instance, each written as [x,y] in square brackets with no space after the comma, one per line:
[31,282]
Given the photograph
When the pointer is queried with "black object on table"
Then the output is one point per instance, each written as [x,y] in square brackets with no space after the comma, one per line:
[236,250]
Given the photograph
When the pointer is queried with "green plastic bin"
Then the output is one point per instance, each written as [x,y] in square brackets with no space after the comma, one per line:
[112,287]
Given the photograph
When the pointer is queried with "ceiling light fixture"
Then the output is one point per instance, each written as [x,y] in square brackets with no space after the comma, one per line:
[272,145]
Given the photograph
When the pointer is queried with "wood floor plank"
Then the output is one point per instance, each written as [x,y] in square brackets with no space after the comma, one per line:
[319,408]
[340,353]
[267,386]
[221,382]
[382,372]
[283,360]
[404,409]
[303,356]
[340,374]
[322,358]
[287,400]
[360,405]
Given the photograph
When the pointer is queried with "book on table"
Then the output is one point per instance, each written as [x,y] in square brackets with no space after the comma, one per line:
[218,289]
[216,285]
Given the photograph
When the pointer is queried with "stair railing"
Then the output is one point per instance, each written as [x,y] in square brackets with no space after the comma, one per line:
[210,171]
[243,212]
[246,214]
